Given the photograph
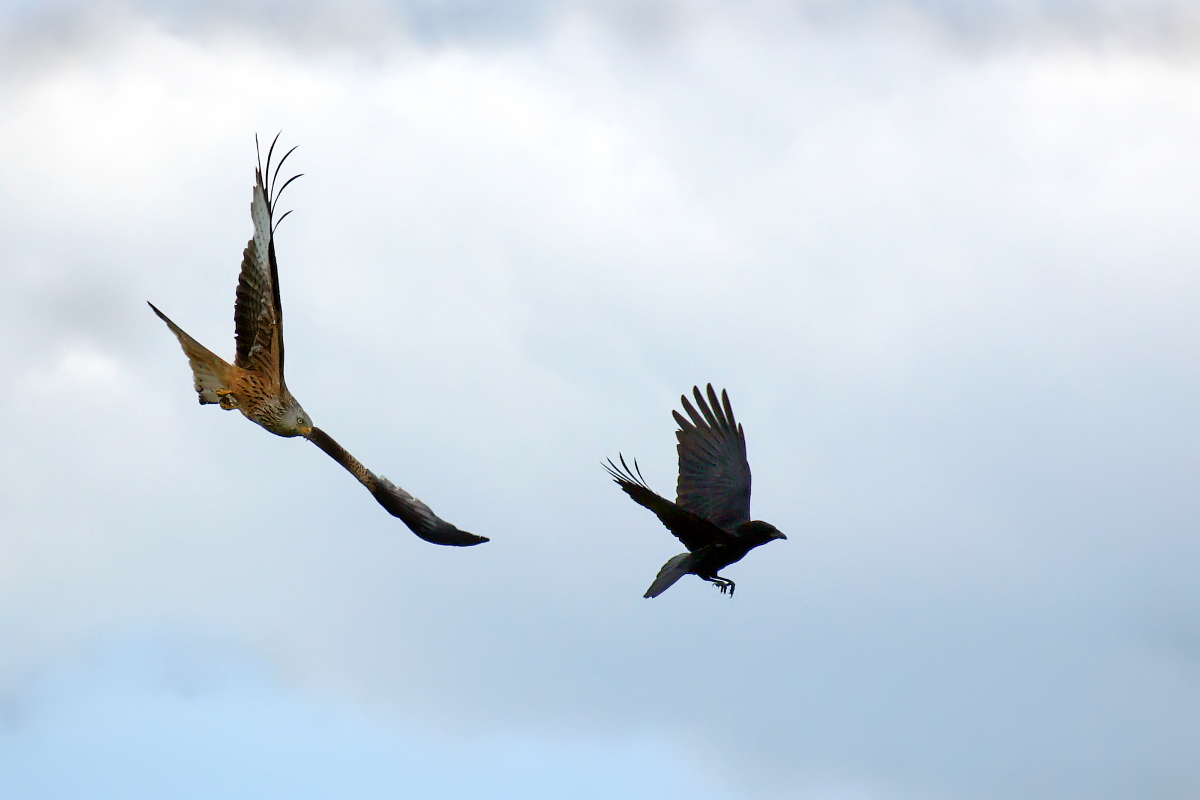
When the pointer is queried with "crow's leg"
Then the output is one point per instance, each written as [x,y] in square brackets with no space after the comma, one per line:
[724,584]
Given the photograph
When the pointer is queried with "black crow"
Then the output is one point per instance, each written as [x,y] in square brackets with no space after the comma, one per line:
[711,514]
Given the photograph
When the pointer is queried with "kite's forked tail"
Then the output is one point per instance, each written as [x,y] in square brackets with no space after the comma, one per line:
[210,372]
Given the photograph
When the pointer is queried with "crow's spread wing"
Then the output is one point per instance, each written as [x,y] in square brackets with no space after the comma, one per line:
[694,531]
[714,477]
[258,313]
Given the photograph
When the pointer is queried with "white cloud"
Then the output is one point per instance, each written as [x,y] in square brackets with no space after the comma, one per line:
[952,299]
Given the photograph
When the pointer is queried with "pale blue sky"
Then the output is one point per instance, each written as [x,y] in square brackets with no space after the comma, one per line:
[943,257]
[153,716]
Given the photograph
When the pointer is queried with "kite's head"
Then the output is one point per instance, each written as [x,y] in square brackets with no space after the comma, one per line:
[294,421]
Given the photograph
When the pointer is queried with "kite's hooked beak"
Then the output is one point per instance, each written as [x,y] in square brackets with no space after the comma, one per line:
[780,535]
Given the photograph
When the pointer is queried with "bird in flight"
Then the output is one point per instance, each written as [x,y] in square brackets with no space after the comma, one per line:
[254,384]
[711,514]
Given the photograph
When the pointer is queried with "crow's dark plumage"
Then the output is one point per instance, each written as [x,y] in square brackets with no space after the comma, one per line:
[711,514]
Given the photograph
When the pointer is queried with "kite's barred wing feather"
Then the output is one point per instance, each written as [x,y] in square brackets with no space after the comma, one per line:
[258,312]
[258,316]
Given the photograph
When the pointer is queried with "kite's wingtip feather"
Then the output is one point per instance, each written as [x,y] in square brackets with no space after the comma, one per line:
[454,538]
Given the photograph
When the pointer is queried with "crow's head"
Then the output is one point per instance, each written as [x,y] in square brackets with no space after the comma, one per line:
[758,532]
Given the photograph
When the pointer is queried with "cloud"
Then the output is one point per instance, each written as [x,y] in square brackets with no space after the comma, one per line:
[36,32]
[952,300]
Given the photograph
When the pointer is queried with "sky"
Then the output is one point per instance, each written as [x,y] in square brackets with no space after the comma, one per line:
[943,256]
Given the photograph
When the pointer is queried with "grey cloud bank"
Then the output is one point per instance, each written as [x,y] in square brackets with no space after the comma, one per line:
[953,301]
[1171,25]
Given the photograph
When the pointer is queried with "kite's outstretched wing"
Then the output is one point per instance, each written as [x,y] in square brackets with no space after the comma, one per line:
[420,517]
[694,531]
[714,477]
[397,502]
[258,312]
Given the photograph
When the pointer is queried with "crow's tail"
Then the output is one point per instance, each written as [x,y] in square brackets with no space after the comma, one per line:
[671,571]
